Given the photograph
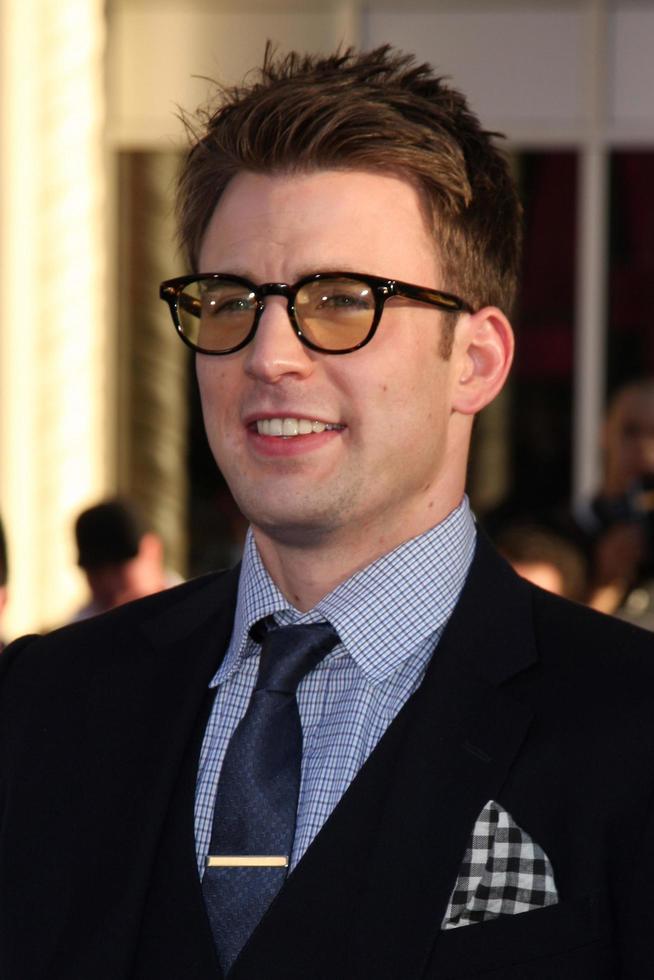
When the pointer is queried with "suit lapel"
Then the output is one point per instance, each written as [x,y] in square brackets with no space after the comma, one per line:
[374,885]
[174,938]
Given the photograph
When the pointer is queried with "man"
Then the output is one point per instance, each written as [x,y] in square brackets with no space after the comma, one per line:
[466,762]
[545,558]
[619,522]
[121,559]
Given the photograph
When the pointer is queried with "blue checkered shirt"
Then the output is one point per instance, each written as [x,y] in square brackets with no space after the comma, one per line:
[389,618]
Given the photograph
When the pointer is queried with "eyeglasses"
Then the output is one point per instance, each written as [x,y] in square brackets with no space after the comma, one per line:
[331,312]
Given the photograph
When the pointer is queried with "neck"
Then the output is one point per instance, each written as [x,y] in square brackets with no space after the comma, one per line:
[306,571]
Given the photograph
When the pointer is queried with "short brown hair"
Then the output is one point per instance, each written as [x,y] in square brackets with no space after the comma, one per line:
[375,110]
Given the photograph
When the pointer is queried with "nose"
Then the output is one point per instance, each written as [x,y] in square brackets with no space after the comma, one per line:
[276,351]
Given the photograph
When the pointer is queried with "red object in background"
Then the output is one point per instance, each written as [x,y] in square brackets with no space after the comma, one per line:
[545,319]
[631,266]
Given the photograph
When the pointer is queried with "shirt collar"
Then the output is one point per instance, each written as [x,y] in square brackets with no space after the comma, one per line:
[382,613]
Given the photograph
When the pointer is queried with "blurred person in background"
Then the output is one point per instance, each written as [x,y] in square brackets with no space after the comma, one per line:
[4,571]
[372,751]
[619,521]
[545,558]
[122,559]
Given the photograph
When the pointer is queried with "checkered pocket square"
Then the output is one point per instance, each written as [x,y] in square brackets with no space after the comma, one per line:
[503,872]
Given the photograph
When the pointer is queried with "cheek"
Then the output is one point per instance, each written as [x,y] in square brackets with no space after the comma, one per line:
[208,374]
[419,391]
[219,411]
[408,412]
[216,392]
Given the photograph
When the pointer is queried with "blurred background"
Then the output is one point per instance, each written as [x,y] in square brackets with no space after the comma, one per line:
[97,395]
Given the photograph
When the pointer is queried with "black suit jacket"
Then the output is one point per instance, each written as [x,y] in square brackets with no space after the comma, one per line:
[529,700]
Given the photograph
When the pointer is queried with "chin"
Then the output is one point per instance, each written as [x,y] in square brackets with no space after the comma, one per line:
[296,530]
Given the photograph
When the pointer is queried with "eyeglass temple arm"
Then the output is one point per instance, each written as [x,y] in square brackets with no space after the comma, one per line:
[189,303]
[176,296]
[445,301]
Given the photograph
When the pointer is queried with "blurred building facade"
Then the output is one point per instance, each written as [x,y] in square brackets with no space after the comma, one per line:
[95,389]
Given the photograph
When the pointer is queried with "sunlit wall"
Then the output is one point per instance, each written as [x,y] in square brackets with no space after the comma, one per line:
[53,346]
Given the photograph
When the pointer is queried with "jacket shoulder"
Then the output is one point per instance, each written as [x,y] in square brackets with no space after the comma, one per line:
[83,642]
[563,626]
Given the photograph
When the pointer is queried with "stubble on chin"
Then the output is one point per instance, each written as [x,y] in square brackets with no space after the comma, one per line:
[298,521]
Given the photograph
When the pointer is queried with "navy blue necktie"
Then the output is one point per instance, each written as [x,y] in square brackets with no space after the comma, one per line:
[258,788]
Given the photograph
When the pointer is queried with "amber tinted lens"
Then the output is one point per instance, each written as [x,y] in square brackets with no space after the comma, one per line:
[335,314]
[216,315]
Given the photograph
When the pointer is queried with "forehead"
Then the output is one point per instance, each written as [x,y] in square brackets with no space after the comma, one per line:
[326,219]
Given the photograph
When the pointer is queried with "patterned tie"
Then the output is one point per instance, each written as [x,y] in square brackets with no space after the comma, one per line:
[258,788]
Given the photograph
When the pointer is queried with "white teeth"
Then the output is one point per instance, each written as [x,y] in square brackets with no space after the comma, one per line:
[293,427]
[290,427]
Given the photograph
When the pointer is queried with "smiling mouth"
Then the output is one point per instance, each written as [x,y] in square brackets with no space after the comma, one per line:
[289,427]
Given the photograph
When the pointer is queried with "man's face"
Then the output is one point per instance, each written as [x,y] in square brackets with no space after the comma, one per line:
[629,440]
[394,463]
[118,582]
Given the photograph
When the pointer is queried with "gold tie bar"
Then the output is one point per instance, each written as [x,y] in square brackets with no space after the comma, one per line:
[248,861]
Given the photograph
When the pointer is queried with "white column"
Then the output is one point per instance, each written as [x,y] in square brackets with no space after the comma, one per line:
[591,318]
[592,252]
[53,344]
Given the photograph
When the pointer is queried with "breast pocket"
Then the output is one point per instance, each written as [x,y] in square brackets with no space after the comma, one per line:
[569,940]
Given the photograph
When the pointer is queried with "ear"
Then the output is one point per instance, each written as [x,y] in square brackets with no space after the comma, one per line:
[3,597]
[484,350]
[151,547]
